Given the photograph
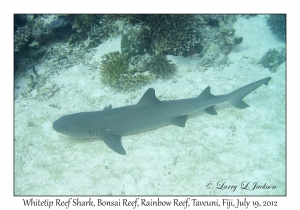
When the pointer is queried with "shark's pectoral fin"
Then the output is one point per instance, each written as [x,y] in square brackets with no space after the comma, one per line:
[211,110]
[179,121]
[114,142]
[239,103]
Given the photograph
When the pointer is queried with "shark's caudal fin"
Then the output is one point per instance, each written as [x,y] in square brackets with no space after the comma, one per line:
[240,93]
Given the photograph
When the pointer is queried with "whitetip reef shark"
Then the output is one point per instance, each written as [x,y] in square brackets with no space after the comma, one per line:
[149,113]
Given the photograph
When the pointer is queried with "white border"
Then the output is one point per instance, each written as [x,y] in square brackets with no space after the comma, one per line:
[228,6]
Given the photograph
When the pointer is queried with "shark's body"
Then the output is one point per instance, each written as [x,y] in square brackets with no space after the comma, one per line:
[111,124]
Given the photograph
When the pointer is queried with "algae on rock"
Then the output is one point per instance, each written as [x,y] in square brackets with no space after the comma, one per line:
[113,65]
[273,58]
[161,66]
[115,72]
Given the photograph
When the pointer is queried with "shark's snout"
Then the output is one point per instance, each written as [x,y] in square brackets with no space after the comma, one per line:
[60,125]
[56,126]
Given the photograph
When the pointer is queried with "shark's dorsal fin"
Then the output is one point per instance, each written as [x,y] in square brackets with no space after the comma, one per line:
[148,98]
[205,94]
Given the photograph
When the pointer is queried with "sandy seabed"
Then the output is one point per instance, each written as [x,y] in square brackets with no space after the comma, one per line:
[212,155]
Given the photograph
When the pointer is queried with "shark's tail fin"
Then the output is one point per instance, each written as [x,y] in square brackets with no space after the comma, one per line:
[240,93]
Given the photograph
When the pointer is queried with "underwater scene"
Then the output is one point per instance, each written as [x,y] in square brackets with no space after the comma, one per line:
[149,104]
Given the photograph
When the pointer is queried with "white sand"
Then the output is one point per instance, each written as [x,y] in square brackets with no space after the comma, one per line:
[234,146]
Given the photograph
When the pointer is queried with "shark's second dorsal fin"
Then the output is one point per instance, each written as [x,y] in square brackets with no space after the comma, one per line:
[148,98]
[107,107]
[205,94]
